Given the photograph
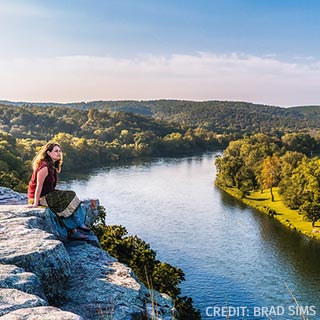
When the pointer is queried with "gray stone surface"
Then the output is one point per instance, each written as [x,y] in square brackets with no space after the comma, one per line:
[12,299]
[101,288]
[24,244]
[13,277]
[36,269]
[8,196]
[41,313]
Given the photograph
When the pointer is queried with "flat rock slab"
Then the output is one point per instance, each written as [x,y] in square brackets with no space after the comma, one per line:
[12,299]
[24,243]
[41,313]
[12,277]
[36,269]
[8,196]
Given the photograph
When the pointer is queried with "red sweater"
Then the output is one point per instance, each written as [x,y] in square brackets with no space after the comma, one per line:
[49,183]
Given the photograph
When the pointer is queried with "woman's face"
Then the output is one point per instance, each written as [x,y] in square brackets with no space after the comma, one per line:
[55,154]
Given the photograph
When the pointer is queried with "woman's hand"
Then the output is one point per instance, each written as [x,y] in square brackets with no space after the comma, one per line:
[32,206]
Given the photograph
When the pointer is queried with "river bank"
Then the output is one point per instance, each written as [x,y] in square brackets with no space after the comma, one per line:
[288,217]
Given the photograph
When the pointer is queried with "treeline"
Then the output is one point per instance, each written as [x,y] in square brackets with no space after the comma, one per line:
[219,116]
[262,162]
[231,117]
[90,138]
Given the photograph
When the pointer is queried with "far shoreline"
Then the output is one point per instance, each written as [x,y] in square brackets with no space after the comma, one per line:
[286,216]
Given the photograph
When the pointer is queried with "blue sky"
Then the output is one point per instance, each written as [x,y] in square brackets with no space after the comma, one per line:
[263,51]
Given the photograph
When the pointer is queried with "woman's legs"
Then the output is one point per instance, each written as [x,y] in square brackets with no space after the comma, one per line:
[75,222]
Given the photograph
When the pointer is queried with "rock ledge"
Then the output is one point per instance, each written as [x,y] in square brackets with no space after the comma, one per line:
[42,277]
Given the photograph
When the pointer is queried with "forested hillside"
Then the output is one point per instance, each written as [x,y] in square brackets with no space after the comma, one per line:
[90,138]
[96,133]
[218,116]
[309,112]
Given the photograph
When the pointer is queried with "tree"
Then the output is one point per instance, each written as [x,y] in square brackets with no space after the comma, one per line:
[229,165]
[271,173]
[166,278]
[301,142]
[227,168]
[186,311]
[241,163]
[13,171]
[245,179]
[311,210]
[289,162]
[304,184]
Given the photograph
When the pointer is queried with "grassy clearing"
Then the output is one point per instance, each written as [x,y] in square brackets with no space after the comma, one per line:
[288,217]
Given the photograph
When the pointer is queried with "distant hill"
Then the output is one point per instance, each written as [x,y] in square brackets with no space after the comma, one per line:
[219,116]
[308,111]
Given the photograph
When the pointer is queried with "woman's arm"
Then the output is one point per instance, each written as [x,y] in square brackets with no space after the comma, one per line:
[40,180]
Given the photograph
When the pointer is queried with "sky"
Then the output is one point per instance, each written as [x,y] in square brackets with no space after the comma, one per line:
[261,51]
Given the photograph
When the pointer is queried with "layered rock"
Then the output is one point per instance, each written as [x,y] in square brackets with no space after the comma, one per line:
[38,271]
[16,278]
[8,196]
[108,289]
[24,243]
[12,299]
[41,313]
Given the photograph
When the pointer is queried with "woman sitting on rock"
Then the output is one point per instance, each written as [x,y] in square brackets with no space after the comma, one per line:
[68,214]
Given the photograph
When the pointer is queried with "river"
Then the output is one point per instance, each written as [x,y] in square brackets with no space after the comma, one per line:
[231,254]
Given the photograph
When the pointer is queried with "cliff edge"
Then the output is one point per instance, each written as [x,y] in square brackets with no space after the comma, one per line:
[45,277]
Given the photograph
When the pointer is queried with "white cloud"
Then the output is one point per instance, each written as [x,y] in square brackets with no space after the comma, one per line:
[18,9]
[204,76]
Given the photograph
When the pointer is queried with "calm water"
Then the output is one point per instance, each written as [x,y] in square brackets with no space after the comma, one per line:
[231,254]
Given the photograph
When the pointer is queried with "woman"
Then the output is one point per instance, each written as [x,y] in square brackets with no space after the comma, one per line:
[65,207]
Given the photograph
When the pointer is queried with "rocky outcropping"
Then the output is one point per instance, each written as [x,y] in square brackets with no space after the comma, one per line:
[42,277]
[25,243]
[8,196]
[41,313]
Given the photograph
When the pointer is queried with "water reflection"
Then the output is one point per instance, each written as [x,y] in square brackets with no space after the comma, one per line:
[298,250]
[230,201]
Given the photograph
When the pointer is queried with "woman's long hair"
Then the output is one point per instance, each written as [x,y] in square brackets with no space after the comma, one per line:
[43,155]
